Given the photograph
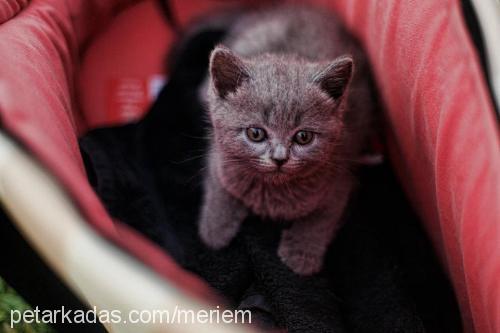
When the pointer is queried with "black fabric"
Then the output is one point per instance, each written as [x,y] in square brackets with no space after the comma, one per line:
[380,273]
[24,270]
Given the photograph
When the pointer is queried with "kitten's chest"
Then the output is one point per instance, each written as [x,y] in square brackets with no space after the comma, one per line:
[286,201]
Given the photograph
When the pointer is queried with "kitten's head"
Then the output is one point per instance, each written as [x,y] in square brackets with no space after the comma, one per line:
[276,116]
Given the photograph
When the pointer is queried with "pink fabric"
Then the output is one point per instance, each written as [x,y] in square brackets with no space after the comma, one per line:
[115,74]
[446,142]
[39,58]
[445,147]
[10,8]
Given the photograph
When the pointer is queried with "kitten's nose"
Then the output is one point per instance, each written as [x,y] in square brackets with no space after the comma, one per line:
[280,155]
[279,161]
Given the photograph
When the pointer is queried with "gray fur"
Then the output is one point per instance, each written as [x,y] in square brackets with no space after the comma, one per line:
[285,69]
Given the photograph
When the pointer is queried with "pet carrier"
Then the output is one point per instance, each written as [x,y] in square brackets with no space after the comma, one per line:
[70,65]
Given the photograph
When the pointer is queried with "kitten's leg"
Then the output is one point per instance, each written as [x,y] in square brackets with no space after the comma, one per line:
[221,215]
[303,246]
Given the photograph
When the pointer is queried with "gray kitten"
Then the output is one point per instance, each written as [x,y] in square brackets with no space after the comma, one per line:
[289,119]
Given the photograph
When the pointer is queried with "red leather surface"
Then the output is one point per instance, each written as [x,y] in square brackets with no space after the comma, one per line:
[446,142]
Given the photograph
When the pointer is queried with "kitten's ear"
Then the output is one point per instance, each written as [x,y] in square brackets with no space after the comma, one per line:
[335,77]
[227,71]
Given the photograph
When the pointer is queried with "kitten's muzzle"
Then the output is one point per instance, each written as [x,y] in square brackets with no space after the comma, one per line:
[279,155]
[280,161]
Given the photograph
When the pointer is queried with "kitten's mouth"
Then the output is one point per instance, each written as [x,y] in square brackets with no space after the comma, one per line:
[278,169]
[279,177]
[277,174]
[275,170]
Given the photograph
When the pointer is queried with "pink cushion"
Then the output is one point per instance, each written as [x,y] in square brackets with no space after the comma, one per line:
[445,139]
[38,105]
[446,142]
[10,8]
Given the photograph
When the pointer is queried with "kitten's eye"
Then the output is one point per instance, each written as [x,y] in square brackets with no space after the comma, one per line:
[256,134]
[303,137]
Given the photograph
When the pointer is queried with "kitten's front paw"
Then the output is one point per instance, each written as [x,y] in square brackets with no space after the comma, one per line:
[299,260]
[217,227]
[212,236]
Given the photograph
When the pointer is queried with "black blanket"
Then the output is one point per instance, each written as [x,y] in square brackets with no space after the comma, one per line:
[380,273]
